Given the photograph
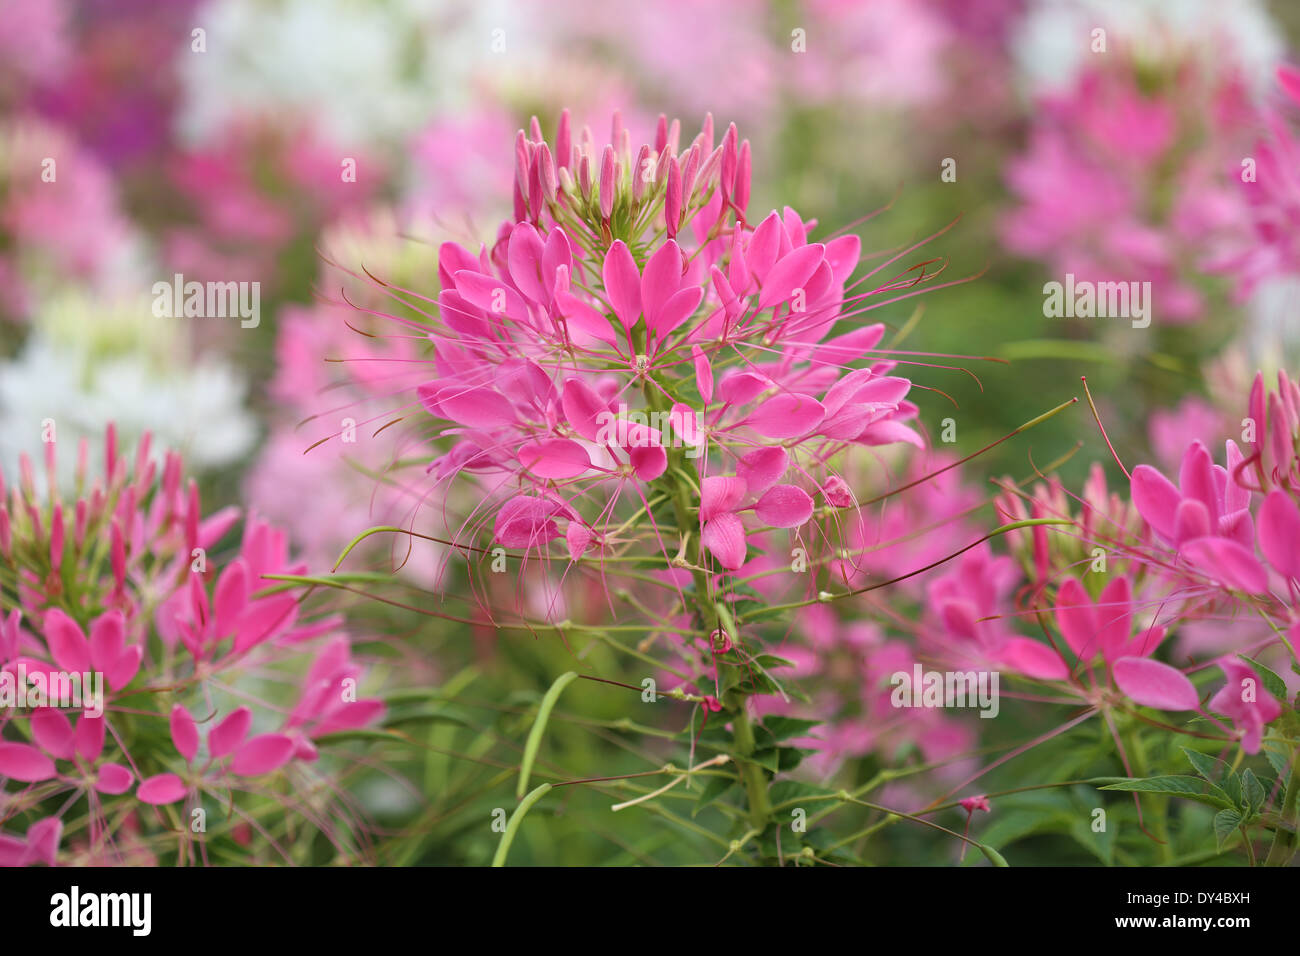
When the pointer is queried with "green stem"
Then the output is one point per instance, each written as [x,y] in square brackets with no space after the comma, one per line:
[682,494]
[751,773]
[1159,805]
[1284,839]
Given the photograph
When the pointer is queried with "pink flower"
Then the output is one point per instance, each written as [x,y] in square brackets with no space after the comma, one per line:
[1207,516]
[1245,702]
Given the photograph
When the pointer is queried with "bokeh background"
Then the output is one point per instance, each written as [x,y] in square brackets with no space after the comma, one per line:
[216,139]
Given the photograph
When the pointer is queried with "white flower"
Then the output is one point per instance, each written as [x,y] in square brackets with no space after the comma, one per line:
[85,366]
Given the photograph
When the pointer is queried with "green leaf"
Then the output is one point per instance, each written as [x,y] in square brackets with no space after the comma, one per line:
[791,757]
[1211,768]
[785,791]
[783,728]
[767,759]
[539,728]
[1278,760]
[1252,791]
[1187,787]
[714,788]
[766,661]
[516,818]
[1272,683]
[443,715]
[1225,822]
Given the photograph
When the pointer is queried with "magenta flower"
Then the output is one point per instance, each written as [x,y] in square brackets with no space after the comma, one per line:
[1207,516]
[1245,702]
[631,317]
[130,583]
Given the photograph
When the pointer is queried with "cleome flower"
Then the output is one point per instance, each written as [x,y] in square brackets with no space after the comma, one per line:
[632,328]
[123,590]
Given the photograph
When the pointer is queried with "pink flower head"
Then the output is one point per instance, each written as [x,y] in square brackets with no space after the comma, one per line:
[1245,702]
[88,573]
[632,319]
[1206,516]
[971,804]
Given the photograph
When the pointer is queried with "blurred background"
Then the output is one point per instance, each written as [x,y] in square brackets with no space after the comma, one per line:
[262,140]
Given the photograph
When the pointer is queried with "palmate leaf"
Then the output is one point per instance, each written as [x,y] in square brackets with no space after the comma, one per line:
[1190,788]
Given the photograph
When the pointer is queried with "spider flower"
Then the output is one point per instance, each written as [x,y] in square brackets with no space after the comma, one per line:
[633,325]
[128,589]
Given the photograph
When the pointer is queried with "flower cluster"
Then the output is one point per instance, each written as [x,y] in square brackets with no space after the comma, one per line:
[118,598]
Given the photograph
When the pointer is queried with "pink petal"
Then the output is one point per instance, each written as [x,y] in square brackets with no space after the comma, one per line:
[1154,684]
[660,281]
[185,733]
[1288,78]
[1033,659]
[1191,520]
[43,840]
[847,348]
[1279,533]
[68,645]
[524,258]
[230,733]
[1115,617]
[89,737]
[720,494]
[724,536]
[676,311]
[703,374]
[53,732]
[784,506]
[1156,499]
[622,283]
[843,254]
[1227,562]
[491,295]
[585,324]
[1077,620]
[1196,480]
[649,462]
[586,411]
[525,522]
[554,458]
[786,416]
[125,668]
[107,640]
[230,597]
[350,716]
[262,754]
[25,763]
[113,779]
[764,245]
[578,537]
[790,273]
[737,388]
[762,468]
[476,407]
[161,789]
[265,618]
